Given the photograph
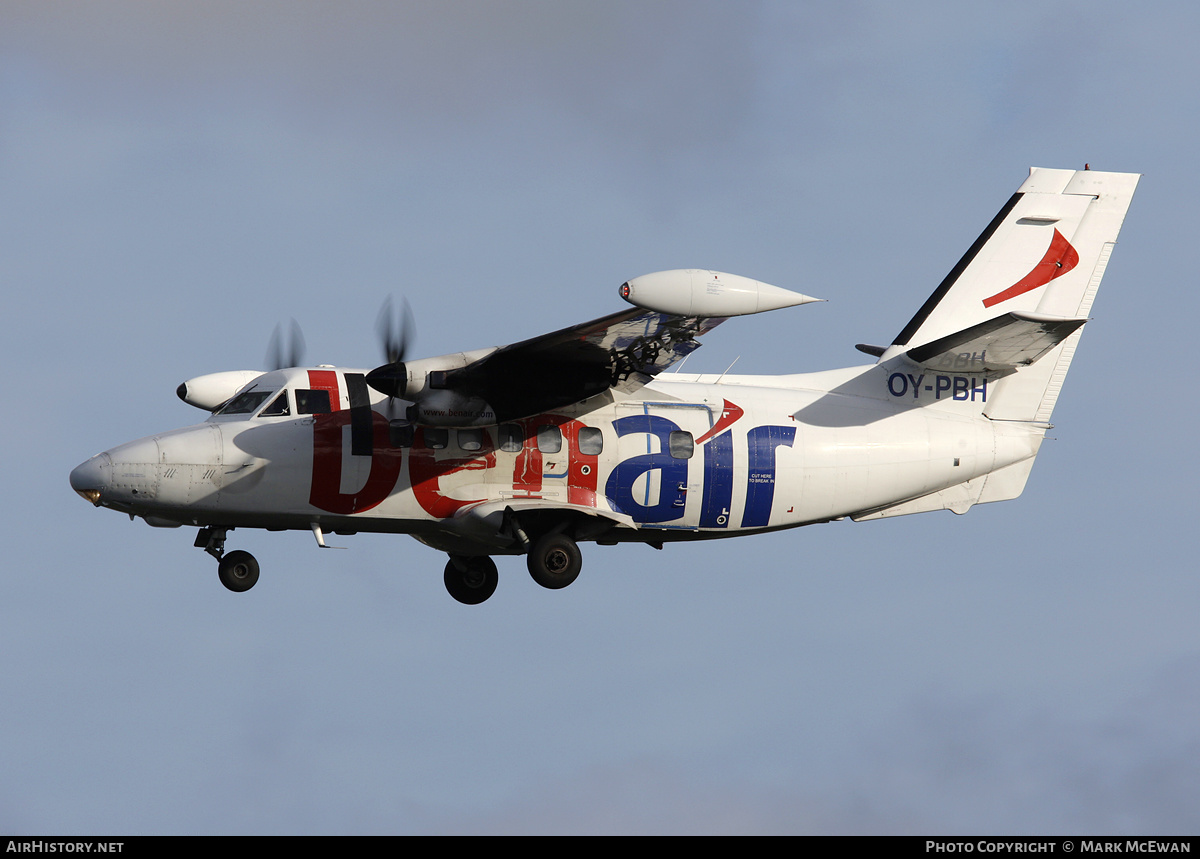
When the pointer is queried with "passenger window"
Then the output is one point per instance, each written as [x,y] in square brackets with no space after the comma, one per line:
[681,445]
[278,407]
[470,439]
[435,439]
[309,402]
[549,439]
[511,437]
[400,434]
[591,441]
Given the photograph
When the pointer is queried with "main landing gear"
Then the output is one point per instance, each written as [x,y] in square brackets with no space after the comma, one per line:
[554,562]
[471,580]
[237,570]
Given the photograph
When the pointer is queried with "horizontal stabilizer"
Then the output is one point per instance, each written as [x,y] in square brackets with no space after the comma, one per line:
[999,346]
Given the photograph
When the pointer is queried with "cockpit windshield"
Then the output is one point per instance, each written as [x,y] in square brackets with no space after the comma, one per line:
[245,403]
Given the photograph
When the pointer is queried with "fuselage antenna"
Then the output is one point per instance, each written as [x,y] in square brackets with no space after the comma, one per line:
[727,369]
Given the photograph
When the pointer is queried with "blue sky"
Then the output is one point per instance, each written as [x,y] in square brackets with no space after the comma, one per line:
[178,178]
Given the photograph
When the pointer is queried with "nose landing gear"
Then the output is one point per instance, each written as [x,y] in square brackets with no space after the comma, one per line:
[237,570]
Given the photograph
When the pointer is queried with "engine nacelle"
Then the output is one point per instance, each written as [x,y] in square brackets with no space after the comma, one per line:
[410,379]
[435,408]
[697,292]
[211,391]
[432,400]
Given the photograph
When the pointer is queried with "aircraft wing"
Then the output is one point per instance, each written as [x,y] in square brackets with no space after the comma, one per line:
[622,351]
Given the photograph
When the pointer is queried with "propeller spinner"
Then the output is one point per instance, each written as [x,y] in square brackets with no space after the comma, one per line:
[396,334]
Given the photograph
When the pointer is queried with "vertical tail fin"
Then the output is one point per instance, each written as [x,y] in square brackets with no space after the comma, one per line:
[1044,255]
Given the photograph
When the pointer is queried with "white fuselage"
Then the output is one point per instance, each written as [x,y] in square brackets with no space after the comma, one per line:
[690,457]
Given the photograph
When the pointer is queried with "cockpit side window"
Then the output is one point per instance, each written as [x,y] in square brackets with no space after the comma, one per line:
[278,407]
[312,402]
[245,403]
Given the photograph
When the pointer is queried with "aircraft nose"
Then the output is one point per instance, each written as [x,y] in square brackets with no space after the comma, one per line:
[90,478]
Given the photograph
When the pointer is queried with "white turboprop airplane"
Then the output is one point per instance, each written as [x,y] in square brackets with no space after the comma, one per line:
[574,436]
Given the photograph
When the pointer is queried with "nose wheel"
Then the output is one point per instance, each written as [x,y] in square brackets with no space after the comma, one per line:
[238,571]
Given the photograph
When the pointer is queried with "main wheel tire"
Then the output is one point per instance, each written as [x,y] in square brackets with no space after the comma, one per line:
[475,583]
[555,561]
[238,571]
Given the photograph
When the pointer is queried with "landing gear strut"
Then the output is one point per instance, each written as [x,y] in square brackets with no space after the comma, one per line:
[555,561]
[471,580]
[237,570]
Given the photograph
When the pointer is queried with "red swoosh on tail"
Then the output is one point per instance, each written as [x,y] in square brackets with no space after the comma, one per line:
[1060,258]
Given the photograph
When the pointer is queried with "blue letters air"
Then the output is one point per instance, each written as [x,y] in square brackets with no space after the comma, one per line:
[717,499]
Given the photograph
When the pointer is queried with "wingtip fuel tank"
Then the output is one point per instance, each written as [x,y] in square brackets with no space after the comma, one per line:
[698,292]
